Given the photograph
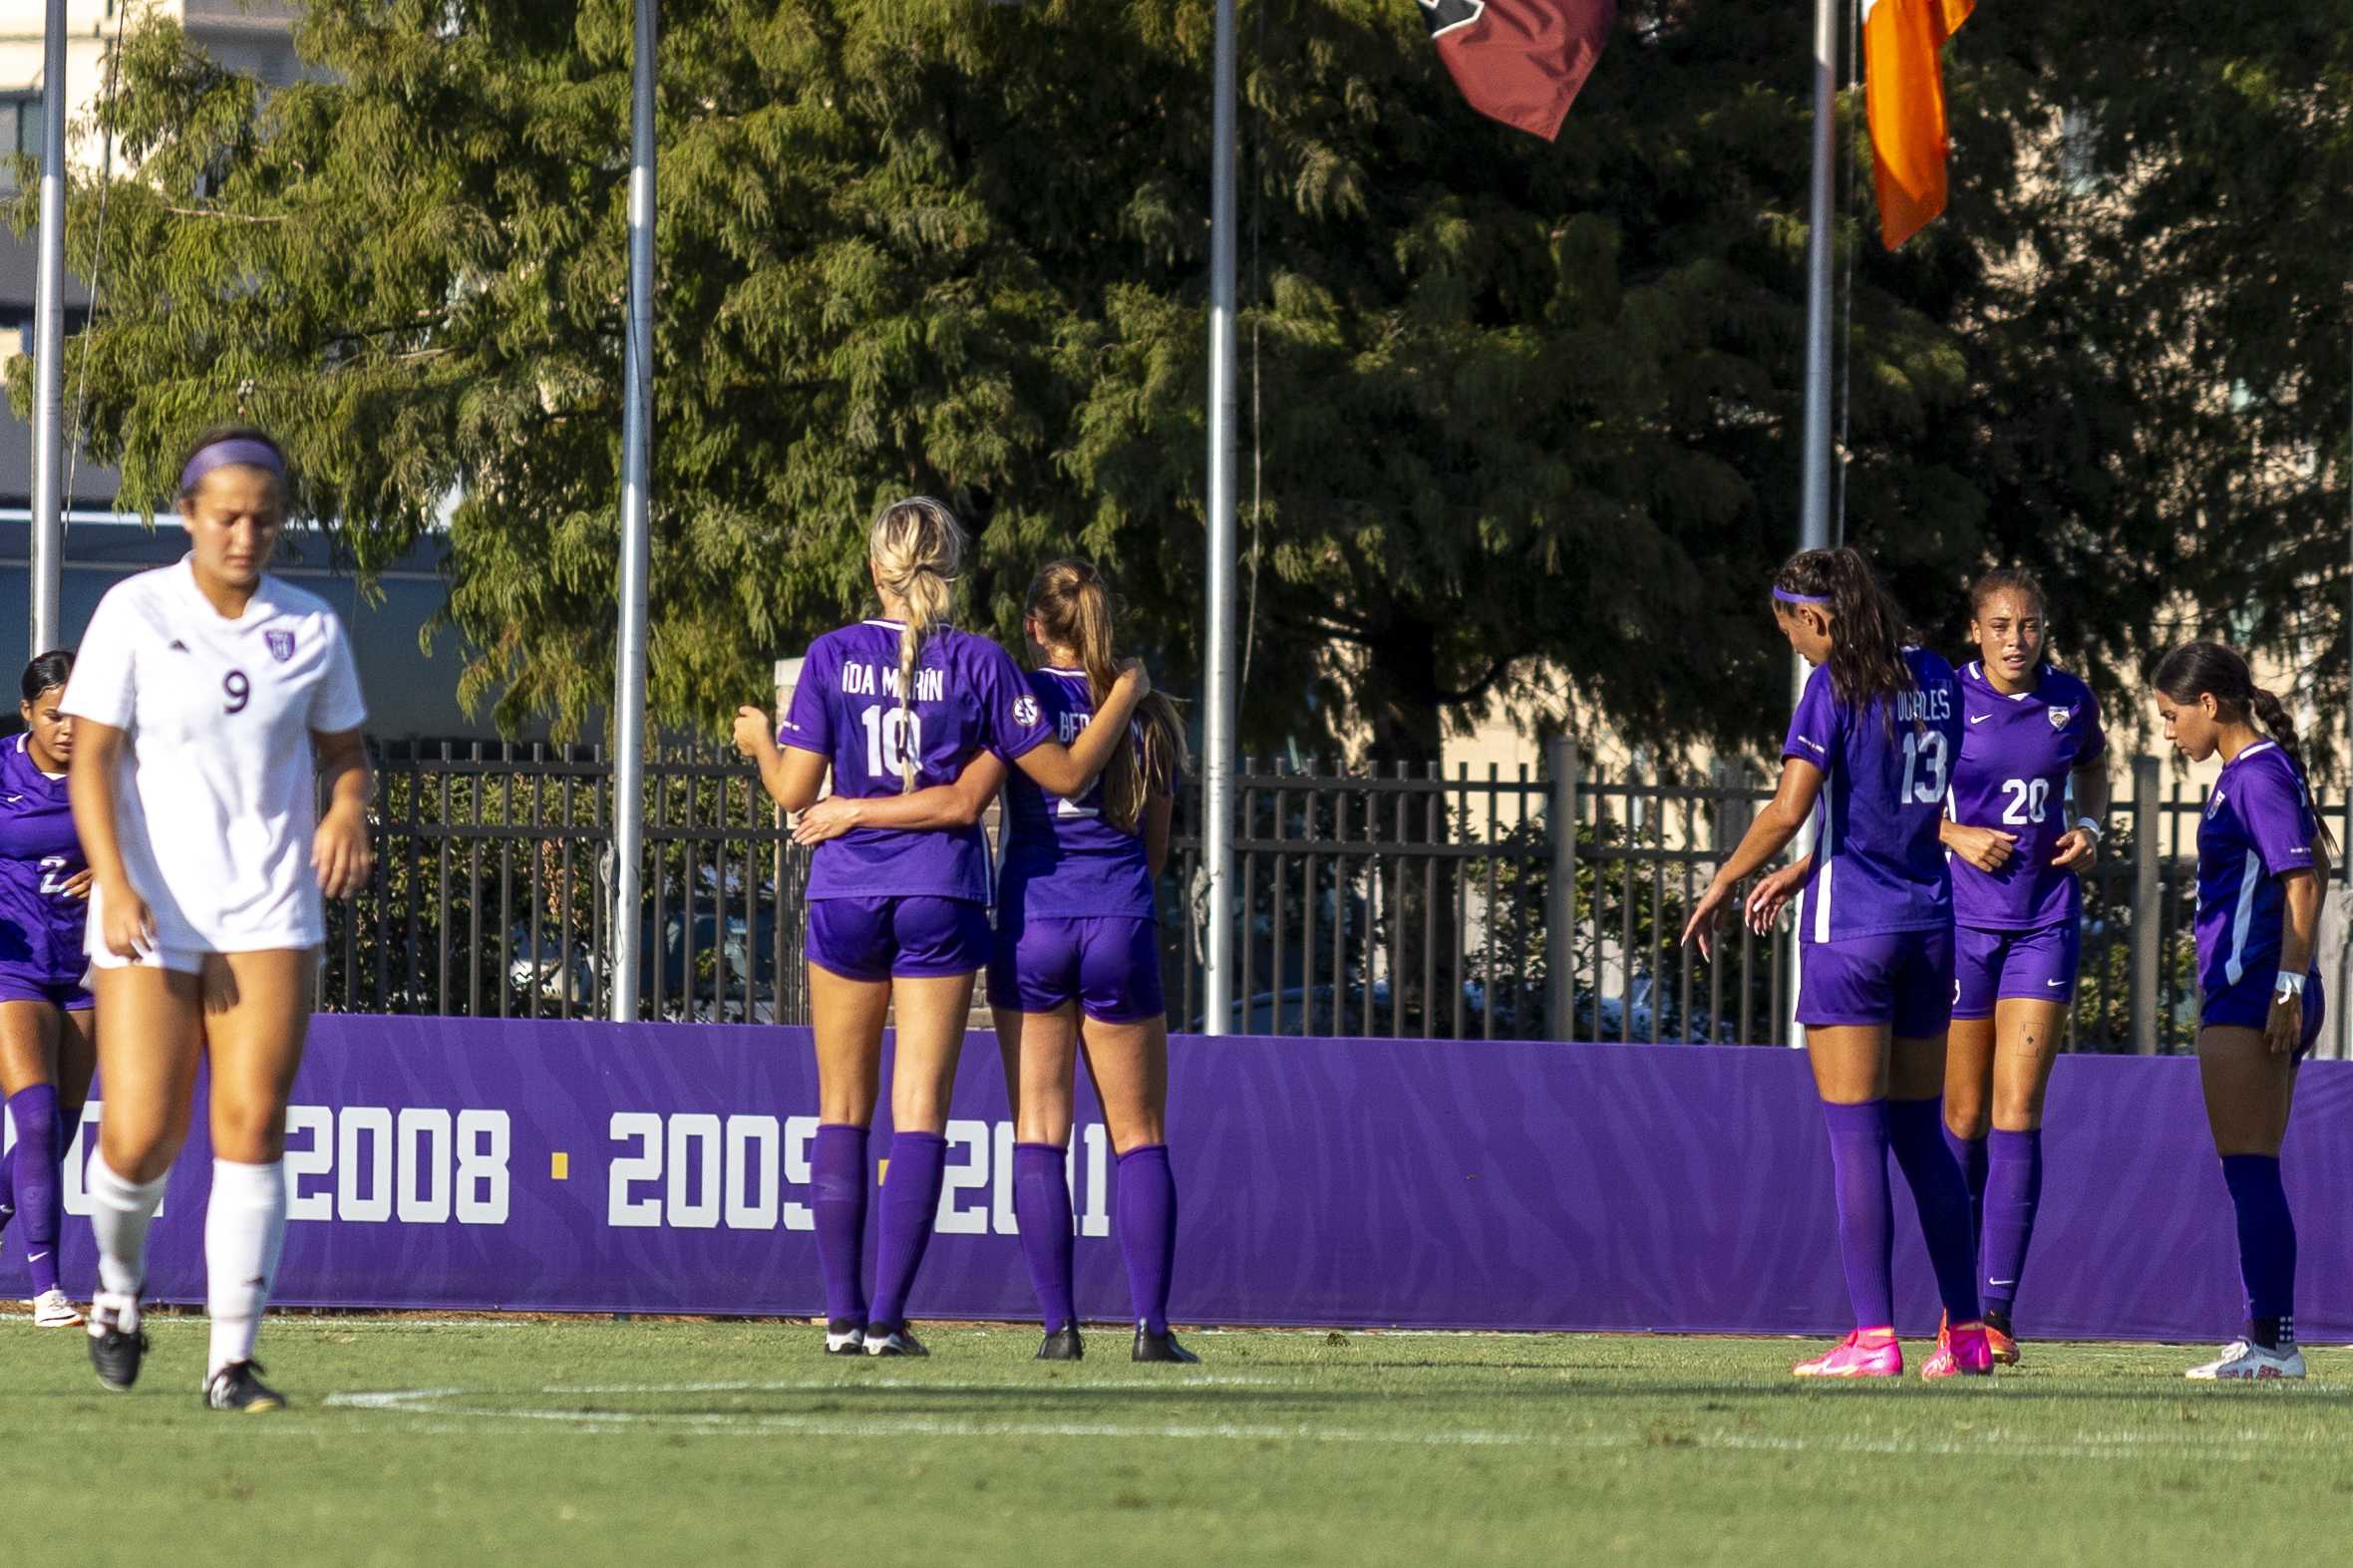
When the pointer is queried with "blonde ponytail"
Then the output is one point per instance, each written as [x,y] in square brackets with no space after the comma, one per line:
[1072,604]
[917,549]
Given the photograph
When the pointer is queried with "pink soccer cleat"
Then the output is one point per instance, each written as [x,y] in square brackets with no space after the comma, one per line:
[1963,1351]
[1866,1353]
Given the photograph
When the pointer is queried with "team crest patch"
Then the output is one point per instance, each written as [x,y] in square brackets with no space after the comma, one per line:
[1024,710]
[279,644]
[2060,716]
[1443,16]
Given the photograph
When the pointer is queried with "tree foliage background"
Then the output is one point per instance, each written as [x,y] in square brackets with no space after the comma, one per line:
[1507,405]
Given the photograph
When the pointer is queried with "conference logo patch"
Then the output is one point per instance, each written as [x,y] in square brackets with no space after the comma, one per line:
[1024,710]
[2060,716]
[280,645]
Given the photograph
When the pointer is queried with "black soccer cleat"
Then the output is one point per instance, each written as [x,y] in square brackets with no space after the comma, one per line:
[845,1337]
[892,1342]
[238,1386]
[114,1353]
[1161,1347]
[1063,1343]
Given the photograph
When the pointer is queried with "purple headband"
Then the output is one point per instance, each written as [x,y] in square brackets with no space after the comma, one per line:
[1786,597]
[236,449]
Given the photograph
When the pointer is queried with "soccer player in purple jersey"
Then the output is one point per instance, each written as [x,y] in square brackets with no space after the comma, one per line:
[46,1053]
[1078,963]
[1871,746]
[898,916]
[2028,795]
[2262,861]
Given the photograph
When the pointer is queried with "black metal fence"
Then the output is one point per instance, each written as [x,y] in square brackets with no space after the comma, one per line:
[1375,901]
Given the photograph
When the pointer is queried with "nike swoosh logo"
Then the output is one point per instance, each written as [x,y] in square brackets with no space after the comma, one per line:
[1979,718]
[2054,984]
[35,1257]
[2001,1282]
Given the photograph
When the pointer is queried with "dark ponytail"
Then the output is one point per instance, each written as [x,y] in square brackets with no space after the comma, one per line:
[2201,669]
[50,670]
[1866,629]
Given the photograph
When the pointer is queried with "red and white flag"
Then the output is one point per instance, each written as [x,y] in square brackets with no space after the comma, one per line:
[1521,61]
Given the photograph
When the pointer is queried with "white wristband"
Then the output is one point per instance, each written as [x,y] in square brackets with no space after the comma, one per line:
[2288,985]
[2089,826]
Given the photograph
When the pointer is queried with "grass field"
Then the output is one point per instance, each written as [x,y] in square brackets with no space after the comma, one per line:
[594,1442]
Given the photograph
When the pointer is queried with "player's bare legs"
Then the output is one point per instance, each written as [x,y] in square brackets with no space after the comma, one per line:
[1130,1065]
[848,1016]
[1039,1053]
[151,1037]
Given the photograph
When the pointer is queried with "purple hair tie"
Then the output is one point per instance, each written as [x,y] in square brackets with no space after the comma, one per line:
[1786,597]
[235,450]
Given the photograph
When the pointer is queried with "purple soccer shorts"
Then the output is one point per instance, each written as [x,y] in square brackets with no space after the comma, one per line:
[1900,979]
[1109,966]
[69,996]
[915,936]
[1998,966]
[2247,1005]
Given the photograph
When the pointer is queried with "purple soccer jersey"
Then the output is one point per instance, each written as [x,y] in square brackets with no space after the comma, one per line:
[1877,866]
[2258,827]
[2016,755]
[969,697]
[41,929]
[1062,858]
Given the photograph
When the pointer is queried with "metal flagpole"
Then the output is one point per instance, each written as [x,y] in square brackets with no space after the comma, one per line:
[1219,748]
[49,341]
[1813,510]
[636,441]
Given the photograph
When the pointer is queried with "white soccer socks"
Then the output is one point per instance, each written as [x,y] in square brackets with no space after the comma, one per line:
[244,1231]
[120,1213]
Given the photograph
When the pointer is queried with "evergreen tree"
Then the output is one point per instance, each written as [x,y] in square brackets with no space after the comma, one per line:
[1507,404]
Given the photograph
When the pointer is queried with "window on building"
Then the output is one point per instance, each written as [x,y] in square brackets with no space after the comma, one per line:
[20,132]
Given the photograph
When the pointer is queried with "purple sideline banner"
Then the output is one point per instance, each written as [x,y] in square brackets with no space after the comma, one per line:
[663,1168]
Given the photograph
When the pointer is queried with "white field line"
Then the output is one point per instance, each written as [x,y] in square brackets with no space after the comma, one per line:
[448,1416]
[852,1382]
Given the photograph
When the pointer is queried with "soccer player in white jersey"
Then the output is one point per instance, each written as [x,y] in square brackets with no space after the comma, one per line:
[209,698]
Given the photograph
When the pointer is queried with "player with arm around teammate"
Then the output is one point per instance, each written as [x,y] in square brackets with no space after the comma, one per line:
[1870,745]
[2263,860]
[898,915]
[46,1051]
[1078,966]
[209,698]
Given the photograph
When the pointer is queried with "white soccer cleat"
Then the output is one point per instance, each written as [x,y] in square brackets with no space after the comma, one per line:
[2243,1361]
[51,1310]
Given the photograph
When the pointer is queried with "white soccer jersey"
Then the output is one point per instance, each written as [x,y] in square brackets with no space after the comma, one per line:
[216,792]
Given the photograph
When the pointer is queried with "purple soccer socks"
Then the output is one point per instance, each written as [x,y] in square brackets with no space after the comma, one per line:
[1041,1210]
[2013,1190]
[910,1205]
[2266,1246]
[837,1184]
[1867,1227]
[35,1178]
[1148,1231]
[1915,1135]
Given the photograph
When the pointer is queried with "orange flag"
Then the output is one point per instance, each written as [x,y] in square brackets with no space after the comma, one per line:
[1903,88]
